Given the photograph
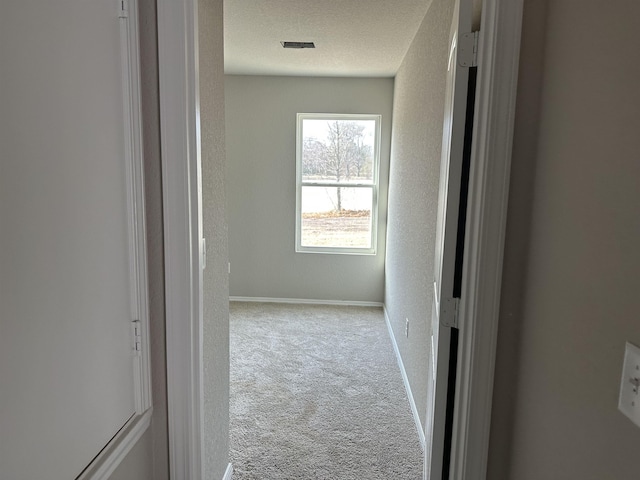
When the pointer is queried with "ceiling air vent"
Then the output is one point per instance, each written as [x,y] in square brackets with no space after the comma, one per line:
[298,45]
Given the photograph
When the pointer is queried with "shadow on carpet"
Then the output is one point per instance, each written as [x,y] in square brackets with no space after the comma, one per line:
[316,393]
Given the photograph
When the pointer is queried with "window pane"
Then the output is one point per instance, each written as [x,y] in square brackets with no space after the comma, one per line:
[336,217]
[338,150]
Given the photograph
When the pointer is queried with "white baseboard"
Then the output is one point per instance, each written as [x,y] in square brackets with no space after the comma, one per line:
[228,472]
[407,387]
[306,301]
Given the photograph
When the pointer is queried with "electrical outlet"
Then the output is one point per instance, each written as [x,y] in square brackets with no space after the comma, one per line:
[406,328]
[629,402]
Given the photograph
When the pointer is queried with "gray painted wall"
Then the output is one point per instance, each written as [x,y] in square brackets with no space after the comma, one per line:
[137,465]
[570,288]
[418,111]
[261,160]
[216,279]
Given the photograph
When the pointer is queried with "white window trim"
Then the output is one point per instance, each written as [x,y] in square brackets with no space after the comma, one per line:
[375,186]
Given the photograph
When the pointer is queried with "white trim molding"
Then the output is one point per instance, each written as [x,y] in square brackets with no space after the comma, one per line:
[405,379]
[132,124]
[179,128]
[228,473]
[103,465]
[108,460]
[499,51]
[306,301]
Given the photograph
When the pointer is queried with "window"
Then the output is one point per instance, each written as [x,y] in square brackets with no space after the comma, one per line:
[337,183]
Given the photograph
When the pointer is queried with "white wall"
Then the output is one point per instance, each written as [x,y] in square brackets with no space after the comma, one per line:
[572,248]
[261,160]
[418,112]
[64,259]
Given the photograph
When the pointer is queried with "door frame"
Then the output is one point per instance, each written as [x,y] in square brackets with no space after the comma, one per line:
[182,216]
[496,89]
[498,59]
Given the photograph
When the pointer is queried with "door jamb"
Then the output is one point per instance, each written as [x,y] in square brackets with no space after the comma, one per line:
[180,146]
[496,88]
[486,219]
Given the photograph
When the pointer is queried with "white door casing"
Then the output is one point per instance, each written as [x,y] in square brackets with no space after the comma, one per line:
[444,304]
[488,192]
[182,215]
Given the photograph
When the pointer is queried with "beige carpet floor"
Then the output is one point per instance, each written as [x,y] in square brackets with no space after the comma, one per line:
[316,393]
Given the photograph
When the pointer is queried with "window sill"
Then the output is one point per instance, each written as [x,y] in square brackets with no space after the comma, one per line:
[337,251]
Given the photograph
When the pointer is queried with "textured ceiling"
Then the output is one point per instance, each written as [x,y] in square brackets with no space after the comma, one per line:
[354,38]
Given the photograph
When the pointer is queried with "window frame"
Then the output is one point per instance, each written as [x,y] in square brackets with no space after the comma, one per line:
[374,185]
